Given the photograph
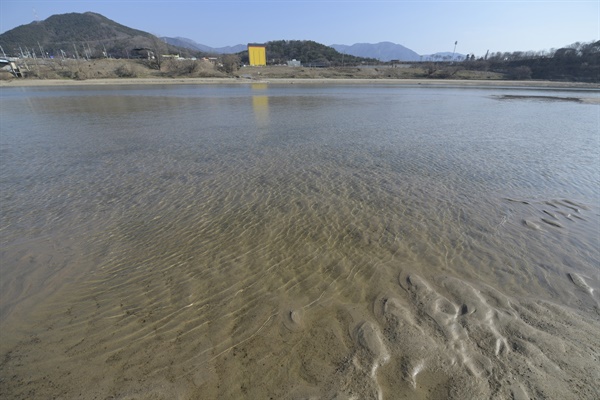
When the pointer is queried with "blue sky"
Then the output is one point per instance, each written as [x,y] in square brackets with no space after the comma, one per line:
[423,26]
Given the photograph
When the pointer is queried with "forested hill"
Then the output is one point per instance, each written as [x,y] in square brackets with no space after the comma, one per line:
[76,32]
[308,52]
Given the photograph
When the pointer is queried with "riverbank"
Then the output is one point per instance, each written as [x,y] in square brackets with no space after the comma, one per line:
[296,81]
[134,72]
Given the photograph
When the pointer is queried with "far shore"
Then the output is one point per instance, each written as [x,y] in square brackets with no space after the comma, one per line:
[299,81]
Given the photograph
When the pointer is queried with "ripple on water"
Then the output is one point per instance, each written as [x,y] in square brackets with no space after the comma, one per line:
[304,258]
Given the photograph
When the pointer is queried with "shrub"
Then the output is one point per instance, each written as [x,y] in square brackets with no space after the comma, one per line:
[125,71]
[522,72]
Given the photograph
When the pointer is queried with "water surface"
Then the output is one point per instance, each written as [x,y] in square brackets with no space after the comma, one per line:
[269,241]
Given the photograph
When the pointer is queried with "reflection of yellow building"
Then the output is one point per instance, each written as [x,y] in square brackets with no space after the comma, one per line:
[260,105]
[257,54]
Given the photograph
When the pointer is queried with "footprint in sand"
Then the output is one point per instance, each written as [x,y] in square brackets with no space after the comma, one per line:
[368,336]
[293,320]
[469,323]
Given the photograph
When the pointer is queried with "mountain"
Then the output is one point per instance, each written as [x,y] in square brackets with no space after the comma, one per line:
[75,34]
[383,51]
[192,45]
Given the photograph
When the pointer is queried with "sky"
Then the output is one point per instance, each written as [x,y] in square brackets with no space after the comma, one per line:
[423,26]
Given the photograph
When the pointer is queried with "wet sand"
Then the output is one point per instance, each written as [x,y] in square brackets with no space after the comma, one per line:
[318,81]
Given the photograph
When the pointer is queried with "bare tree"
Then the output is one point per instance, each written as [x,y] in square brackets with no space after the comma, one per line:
[158,48]
[230,63]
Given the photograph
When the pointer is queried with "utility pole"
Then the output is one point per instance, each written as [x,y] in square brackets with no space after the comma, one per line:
[454,51]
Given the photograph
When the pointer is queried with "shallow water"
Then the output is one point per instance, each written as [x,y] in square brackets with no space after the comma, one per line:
[266,241]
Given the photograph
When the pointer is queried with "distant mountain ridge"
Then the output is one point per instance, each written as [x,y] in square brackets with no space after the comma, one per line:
[388,51]
[383,51]
[192,45]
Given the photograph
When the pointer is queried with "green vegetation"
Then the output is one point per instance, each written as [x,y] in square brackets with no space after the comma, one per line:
[309,53]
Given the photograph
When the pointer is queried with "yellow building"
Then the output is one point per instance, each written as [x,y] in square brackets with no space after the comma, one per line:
[257,54]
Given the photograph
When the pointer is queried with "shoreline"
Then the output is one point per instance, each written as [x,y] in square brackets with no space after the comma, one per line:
[299,81]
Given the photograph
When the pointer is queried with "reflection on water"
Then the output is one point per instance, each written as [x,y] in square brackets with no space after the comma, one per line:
[324,242]
[260,104]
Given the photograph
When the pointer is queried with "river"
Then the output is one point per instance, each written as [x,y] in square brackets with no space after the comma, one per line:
[299,241]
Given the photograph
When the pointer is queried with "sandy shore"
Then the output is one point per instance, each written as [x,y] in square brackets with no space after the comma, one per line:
[302,81]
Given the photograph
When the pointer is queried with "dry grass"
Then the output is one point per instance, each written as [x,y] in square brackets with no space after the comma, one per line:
[111,69]
[115,69]
[122,69]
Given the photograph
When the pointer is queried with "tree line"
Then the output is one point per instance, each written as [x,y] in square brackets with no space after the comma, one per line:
[579,61]
[308,52]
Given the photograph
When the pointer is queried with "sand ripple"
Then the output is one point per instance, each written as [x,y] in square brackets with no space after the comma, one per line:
[317,243]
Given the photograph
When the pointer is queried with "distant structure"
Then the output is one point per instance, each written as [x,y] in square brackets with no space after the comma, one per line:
[257,54]
[294,63]
[11,66]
